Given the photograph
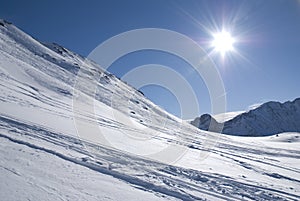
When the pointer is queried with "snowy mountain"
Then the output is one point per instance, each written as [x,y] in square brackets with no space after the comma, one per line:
[268,119]
[207,122]
[47,153]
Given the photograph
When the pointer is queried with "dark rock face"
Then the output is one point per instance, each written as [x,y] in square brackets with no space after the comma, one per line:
[207,122]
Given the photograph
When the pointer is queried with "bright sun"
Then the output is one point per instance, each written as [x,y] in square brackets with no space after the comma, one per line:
[223,42]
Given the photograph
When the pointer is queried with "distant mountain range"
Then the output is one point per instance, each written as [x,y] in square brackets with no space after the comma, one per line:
[268,119]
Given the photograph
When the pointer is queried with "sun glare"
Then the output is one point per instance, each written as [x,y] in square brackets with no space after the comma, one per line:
[223,42]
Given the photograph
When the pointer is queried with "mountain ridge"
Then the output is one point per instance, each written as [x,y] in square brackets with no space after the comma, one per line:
[267,119]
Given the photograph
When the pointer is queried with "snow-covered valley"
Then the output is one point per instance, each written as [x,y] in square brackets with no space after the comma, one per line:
[47,153]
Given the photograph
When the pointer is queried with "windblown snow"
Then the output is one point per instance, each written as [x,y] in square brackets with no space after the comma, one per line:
[45,156]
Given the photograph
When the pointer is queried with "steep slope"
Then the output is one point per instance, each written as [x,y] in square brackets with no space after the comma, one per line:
[268,119]
[44,157]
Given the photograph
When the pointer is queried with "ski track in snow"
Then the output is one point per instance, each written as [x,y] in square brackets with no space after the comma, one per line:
[169,180]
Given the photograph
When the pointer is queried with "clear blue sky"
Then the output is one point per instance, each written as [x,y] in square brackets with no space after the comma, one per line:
[265,67]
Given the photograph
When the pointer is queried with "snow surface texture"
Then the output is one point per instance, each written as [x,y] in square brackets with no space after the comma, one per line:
[268,119]
[42,158]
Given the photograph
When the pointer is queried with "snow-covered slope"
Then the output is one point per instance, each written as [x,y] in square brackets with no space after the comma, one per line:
[43,158]
[267,119]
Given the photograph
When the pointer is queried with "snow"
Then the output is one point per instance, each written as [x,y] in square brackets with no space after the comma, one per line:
[43,158]
[31,174]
